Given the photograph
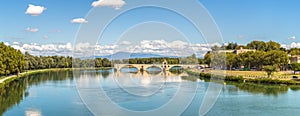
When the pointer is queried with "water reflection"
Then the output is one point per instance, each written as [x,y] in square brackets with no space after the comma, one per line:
[33,112]
[148,89]
[138,91]
[133,85]
[269,90]
[14,92]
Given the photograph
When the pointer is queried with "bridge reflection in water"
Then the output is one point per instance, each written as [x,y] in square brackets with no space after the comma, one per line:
[164,66]
[119,73]
[146,78]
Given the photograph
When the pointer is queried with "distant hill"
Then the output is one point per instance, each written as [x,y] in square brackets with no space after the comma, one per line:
[126,55]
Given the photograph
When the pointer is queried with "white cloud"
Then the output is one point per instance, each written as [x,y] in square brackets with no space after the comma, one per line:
[125,43]
[160,47]
[6,43]
[28,29]
[117,4]
[292,37]
[16,43]
[292,45]
[45,50]
[34,10]
[295,45]
[173,48]
[79,20]
[82,46]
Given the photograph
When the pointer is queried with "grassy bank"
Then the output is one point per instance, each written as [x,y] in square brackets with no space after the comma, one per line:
[209,76]
[246,80]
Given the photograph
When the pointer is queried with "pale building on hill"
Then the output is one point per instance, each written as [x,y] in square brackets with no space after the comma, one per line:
[294,59]
[241,50]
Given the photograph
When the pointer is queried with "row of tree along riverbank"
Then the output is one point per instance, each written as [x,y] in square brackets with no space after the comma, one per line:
[13,61]
[254,56]
[242,79]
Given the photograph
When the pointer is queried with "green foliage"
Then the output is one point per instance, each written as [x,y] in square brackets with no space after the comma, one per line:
[264,46]
[44,62]
[294,51]
[270,70]
[207,58]
[11,60]
[231,46]
[267,53]
[209,76]
[295,67]
[185,60]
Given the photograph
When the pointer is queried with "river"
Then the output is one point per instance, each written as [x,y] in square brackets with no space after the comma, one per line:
[56,93]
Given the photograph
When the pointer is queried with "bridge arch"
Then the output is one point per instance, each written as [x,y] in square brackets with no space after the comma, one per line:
[176,67]
[153,67]
[127,66]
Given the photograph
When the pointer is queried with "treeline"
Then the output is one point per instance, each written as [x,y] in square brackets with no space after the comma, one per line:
[44,62]
[266,54]
[12,61]
[258,45]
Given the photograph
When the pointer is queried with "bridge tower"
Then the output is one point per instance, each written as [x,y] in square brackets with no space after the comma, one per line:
[165,65]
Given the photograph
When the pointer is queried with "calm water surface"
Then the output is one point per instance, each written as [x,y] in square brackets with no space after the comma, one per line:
[55,93]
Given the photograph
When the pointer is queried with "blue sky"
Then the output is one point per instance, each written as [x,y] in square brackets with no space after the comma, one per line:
[55,18]
[256,19]
[249,19]
[239,21]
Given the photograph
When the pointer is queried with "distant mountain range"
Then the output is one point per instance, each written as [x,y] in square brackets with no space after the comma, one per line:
[126,55]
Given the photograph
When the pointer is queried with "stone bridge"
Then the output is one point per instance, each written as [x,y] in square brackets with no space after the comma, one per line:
[166,67]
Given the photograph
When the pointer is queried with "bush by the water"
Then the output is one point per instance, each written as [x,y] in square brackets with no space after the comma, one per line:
[208,76]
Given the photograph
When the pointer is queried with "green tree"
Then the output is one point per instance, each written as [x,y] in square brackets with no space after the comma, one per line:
[258,45]
[271,45]
[295,67]
[231,46]
[207,58]
[106,62]
[294,51]
[230,60]
[277,58]
[270,70]
[258,59]
[11,61]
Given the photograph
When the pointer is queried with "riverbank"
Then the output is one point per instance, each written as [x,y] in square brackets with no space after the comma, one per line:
[10,78]
[7,79]
[276,81]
